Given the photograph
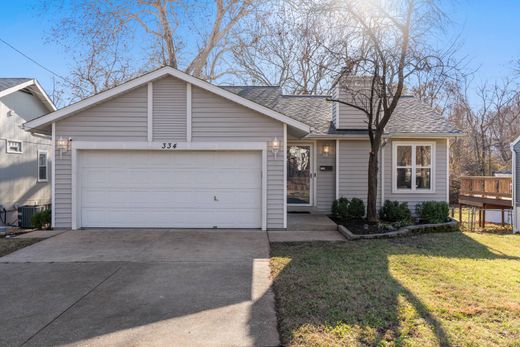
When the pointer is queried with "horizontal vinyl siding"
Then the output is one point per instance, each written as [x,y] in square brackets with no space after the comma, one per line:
[217,119]
[123,118]
[441,179]
[349,117]
[326,180]
[169,109]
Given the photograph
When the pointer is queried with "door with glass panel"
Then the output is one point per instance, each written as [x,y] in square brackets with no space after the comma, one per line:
[299,174]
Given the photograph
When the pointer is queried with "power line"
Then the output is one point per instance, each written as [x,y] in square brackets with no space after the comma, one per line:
[40,65]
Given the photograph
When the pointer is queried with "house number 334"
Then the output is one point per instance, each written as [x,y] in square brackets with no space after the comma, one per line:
[169,145]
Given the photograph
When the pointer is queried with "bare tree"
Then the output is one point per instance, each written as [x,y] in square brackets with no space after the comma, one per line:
[389,48]
[289,48]
[120,39]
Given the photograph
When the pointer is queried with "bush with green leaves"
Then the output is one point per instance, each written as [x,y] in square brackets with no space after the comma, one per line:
[41,220]
[395,211]
[433,212]
[340,208]
[356,208]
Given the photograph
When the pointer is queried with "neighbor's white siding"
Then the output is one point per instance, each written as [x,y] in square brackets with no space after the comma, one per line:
[217,119]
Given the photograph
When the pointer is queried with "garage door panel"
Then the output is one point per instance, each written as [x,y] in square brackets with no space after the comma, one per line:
[192,189]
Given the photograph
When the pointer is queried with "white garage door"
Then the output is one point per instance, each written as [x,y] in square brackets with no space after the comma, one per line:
[178,189]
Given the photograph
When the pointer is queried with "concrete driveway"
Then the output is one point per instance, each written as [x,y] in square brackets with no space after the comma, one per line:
[139,287]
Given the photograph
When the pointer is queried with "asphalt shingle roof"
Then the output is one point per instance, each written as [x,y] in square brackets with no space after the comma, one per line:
[6,83]
[411,115]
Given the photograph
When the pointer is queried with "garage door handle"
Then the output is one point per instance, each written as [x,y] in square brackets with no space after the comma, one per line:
[215,198]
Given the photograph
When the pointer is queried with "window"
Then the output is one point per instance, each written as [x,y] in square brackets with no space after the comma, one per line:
[42,166]
[14,146]
[413,167]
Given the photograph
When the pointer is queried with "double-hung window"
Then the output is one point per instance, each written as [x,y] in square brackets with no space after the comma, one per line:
[413,167]
[42,166]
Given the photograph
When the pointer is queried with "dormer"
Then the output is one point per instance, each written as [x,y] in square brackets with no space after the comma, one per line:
[354,90]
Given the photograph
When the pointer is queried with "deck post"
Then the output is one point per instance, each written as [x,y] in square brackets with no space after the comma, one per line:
[484,217]
[480,217]
[460,213]
[502,215]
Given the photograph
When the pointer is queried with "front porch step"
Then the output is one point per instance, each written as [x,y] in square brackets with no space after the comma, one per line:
[309,222]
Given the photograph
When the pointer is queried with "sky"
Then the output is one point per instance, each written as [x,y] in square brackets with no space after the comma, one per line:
[487,30]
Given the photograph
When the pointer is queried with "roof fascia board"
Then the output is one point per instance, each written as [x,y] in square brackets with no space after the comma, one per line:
[515,142]
[51,105]
[95,99]
[16,88]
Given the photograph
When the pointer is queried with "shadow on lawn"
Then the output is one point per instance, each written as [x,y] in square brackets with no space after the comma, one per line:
[327,285]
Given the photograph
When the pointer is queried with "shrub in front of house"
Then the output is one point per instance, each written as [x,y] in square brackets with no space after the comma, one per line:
[395,211]
[41,220]
[433,212]
[340,208]
[356,208]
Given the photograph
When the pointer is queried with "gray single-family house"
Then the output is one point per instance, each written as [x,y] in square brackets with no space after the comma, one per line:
[168,150]
[24,157]
[515,148]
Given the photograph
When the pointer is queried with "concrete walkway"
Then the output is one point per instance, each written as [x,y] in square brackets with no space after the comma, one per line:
[139,288]
[302,227]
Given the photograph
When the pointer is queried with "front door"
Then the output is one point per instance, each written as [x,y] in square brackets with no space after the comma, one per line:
[299,174]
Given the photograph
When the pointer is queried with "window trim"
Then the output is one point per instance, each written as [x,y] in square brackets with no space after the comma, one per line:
[40,151]
[10,151]
[413,190]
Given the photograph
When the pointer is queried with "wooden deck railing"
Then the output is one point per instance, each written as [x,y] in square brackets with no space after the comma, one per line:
[486,186]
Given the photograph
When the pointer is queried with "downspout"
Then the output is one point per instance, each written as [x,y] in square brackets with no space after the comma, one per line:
[513,190]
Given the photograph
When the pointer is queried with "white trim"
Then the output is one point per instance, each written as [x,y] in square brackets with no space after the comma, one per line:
[448,171]
[515,142]
[150,111]
[515,209]
[74,173]
[264,188]
[337,169]
[53,177]
[312,182]
[188,112]
[315,174]
[423,135]
[167,70]
[10,151]
[285,176]
[394,167]
[40,151]
[156,146]
[16,88]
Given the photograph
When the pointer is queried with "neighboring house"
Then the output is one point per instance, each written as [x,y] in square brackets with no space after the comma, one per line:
[24,157]
[515,148]
[169,150]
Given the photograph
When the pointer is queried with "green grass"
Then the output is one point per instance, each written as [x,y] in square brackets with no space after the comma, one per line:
[10,245]
[459,289]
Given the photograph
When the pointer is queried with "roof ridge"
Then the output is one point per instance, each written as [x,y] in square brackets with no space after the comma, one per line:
[304,96]
[246,86]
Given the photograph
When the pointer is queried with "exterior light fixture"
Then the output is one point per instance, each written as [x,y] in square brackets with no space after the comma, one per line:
[63,145]
[275,147]
[325,150]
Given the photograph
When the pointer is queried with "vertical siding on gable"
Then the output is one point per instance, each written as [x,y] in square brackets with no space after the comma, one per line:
[217,119]
[123,118]
[325,180]
[441,179]
[169,109]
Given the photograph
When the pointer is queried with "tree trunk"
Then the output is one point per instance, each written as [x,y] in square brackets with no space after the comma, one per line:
[373,170]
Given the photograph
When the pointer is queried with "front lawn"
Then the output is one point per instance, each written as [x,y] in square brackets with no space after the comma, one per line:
[425,290]
[10,245]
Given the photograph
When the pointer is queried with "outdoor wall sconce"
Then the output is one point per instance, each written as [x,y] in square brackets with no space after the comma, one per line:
[325,150]
[275,147]
[63,145]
